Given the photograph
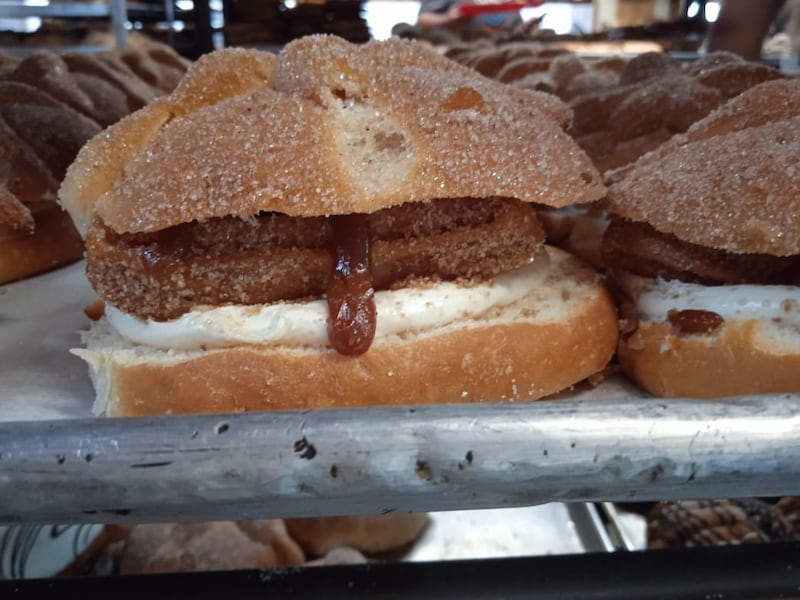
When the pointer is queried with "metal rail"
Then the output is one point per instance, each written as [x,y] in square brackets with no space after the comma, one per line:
[291,464]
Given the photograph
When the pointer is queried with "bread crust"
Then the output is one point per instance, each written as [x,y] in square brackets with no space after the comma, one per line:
[348,128]
[217,546]
[53,243]
[742,357]
[683,188]
[499,358]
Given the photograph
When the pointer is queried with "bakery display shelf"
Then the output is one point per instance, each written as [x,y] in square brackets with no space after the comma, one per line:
[748,572]
[58,464]
[61,10]
[114,10]
[14,10]
[381,460]
[156,15]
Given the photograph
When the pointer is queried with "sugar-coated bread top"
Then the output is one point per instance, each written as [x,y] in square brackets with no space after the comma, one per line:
[326,127]
[732,181]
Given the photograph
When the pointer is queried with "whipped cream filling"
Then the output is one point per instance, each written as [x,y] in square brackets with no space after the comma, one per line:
[412,309]
[655,298]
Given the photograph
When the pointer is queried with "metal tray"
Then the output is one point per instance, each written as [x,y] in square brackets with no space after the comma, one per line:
[59,465]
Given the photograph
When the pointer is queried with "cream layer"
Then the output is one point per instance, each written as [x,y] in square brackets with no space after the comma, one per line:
[411,309]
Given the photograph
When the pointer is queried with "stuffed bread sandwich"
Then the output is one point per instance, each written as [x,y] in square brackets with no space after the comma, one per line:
[334,226]
[705,250]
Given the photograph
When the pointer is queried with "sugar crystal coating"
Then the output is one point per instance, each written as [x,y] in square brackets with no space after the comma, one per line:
[673,102]
[712,60]
[53,131]
[731,79]
[738,191]
[768,102]
[647,66]
[329,128]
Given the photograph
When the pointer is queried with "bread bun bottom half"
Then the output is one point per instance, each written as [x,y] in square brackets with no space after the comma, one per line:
[563,330]
[742,355]
[53,243]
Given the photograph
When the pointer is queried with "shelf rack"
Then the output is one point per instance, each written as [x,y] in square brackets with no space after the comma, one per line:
[115,10]
[411,459]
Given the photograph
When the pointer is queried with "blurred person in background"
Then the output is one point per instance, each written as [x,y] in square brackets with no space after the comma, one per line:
[742,26]
[447,14]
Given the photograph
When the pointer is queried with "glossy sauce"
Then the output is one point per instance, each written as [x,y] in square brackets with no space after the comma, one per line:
[350,294]
[694,322]
[168,249]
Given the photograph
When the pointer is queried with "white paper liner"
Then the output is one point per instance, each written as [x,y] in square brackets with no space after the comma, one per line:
[40,319]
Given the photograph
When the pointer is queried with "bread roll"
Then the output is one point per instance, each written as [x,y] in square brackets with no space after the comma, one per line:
[745,356]
[218,546]
[317,140]
[717,309]
[370,534]
[51,242]
[50,105]
[563,330]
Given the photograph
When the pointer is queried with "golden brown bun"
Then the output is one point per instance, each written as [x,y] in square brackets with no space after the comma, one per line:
[218,546]
[15,217]
[156,64]
[712,60]
[620,117]
[564,331]
[137,93]
[85,83]
[7,64]
[50,105]
[367,533]
[52,243]
[520,67]
[733,185]
[488,59]
[671,102]
[46,126]
[732,79]
[647,66]
[589,81]
[326,128]
[23,174]
[742,357]
[48,73]
[39,137]
[763,104]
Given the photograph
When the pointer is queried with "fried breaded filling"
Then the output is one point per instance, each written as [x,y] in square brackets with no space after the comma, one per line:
[272,257]
[640,249]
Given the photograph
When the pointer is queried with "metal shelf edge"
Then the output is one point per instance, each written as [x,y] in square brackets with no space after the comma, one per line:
[409,459]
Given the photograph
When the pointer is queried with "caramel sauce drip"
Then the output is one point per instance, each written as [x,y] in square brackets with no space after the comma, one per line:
[351,297]
[694,322]
[95,310]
